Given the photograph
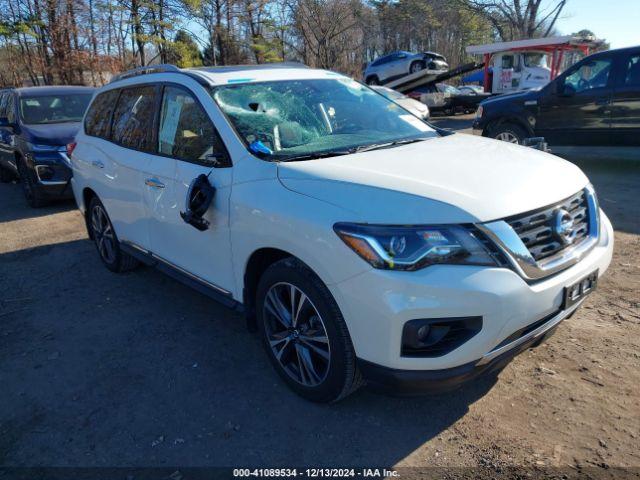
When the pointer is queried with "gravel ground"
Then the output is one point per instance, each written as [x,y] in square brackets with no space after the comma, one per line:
[100,369]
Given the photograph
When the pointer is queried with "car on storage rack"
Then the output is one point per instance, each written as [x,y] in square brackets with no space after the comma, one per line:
[398,64]
[366,245]
[594,102]
[36,124]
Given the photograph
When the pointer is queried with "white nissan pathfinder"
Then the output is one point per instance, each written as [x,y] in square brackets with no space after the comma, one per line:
[364,244]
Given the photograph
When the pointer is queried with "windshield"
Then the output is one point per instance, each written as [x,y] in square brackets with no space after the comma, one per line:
[535,60]
[54,108]
[307,118]
[450,89]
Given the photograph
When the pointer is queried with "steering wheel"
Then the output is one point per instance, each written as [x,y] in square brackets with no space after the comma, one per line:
[583,84]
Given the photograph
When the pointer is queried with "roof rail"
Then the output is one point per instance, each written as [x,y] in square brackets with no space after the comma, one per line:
[162,68]
[238,68]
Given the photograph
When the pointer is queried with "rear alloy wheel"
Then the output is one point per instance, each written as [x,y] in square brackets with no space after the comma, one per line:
[509,132]
[416,67]
[304,333]
[106,240]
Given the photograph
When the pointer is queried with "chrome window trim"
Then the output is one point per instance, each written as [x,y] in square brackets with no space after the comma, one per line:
[518,255]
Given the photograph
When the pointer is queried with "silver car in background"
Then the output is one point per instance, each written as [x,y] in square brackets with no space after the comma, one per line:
[398,64]
[419,109]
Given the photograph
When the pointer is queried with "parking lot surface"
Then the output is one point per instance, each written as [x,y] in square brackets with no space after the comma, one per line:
[100,369]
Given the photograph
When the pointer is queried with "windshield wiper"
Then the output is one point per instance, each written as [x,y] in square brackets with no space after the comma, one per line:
[313,156]
[336,153]
[379,146]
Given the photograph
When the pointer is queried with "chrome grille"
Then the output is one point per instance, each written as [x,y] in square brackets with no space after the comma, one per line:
[536,229]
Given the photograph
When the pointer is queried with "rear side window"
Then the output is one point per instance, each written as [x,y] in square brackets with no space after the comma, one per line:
[632,73]
[98,119]
[186,132]
[133,118]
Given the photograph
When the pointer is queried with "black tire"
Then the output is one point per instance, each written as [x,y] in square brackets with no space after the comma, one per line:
[416,66]
[32,192]
[372,80]
[6,176]
[106,241]
[508,132]
[335,379]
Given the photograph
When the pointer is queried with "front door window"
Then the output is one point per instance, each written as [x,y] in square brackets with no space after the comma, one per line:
[590,75]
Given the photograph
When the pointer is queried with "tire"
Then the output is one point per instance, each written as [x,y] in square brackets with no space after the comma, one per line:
[313,354]
[30,188]
[373,80]
[107,244]
[416,66]
[509,132]
[5,175]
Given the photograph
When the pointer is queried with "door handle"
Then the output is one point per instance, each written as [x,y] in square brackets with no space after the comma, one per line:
[153,183]
[97,164]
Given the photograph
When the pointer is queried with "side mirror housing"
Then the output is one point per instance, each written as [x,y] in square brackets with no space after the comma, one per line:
[567,90]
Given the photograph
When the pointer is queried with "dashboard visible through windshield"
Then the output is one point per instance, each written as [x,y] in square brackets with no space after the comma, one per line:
[304,119]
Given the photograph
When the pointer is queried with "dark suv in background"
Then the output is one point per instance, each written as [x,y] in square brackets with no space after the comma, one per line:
[594,102]
[36,124]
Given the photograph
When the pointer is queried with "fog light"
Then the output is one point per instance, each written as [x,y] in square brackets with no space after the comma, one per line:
[434,337]
[423,333]
[45,172]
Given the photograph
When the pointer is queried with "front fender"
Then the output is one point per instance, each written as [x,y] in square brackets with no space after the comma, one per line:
[264,214]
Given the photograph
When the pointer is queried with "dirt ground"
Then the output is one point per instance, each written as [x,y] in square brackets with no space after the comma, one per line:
[99,369]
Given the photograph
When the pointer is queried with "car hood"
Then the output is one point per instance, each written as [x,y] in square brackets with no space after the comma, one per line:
[52,134]
[509,97]
[454,179]
[411,104]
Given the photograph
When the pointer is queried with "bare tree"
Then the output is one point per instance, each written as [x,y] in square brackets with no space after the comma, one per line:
[516,19]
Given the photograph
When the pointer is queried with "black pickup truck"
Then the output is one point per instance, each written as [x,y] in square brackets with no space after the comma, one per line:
[594,102]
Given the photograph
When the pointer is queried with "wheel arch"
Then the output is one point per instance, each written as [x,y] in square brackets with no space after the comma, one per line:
[87,195]
[506,119]
[371,77]
[256,265]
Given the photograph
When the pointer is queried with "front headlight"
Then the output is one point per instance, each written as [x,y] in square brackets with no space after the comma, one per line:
[413,248]
[479,112]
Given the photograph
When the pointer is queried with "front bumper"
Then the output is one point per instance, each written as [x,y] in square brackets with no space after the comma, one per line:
[52,172]
[377,304]
[408,382]
[476,127]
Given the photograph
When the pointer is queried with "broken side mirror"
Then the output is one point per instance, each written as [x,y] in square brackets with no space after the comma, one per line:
[199,198]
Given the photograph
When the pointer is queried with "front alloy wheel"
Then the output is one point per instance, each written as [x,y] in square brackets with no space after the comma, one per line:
[508,137]
[304,333]
[296,334]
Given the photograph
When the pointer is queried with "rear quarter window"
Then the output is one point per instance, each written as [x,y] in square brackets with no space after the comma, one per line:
[98,119]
